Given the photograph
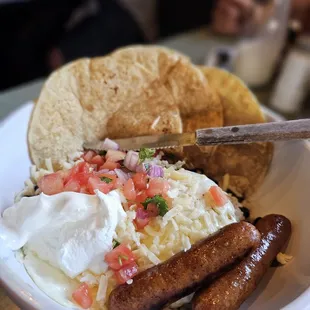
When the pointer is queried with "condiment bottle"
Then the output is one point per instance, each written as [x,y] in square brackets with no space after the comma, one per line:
[258,53]
[293,84]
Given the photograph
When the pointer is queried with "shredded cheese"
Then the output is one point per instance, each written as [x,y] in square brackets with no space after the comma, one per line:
[283,258]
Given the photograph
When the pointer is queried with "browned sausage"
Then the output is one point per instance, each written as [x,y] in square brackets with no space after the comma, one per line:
[182,274]
[234,287]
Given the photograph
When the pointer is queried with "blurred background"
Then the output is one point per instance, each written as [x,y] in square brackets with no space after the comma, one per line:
[265,42]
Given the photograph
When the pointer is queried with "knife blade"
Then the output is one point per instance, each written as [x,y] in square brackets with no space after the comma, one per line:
[276,131]
[152,142]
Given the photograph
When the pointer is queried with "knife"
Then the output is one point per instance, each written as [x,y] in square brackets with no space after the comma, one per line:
[275,131]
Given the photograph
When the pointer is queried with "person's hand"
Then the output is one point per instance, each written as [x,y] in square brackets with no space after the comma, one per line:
[230,16]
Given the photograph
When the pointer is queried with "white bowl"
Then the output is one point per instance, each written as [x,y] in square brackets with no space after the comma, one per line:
[285,191]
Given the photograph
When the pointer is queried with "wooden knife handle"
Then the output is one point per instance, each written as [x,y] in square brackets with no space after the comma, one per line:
[277,131]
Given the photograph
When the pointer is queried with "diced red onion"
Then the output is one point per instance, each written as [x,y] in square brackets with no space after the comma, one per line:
[115,156]
[143,167]
[112,172]
[156,171]
[141,214]
[109,144]
[123,176]
[105,171]
[131,160]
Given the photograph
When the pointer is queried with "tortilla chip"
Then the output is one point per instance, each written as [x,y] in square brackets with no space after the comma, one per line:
[239,103]
[82,102]
[247,164]
[200,106]
[133,91]
[188,86]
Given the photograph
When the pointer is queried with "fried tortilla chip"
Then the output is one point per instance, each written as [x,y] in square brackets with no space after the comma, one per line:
[198,102]
[247,164]
[239,103]
[82,102]
[200,106]
[133,91]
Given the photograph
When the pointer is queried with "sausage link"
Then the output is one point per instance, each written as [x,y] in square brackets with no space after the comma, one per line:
[234,287]
[185,271]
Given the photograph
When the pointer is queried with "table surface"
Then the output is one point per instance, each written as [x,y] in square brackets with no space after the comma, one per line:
[196,44]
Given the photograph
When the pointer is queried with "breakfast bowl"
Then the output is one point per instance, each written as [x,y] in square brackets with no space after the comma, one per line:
[283,191]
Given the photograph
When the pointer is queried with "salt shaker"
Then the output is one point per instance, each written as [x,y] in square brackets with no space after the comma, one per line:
[293,84]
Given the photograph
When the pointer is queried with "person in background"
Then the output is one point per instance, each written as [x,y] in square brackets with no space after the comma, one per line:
[230,16]
[40,36]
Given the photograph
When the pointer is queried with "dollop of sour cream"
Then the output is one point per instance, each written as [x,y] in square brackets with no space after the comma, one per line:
[71,231]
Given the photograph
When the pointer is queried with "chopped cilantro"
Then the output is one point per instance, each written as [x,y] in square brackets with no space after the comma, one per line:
[145,154]
[159,201]
[105,179]
[115,243]
[102,153]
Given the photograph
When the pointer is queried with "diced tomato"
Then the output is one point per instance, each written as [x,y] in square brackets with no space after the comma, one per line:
[141,223]
[97,160]
[82,178]
[82,296]
[84,190]
[140,181]
[110,165]
[118,183]
[115,156]
[65,174]
[129,190]
[141,196]
[119,257]
[152,210]
[126,273]
[89,155]
[130,203]
[94,183]
[81,167]
[109,176]
[218,196]
[157,186]
[51,184]
[72,186]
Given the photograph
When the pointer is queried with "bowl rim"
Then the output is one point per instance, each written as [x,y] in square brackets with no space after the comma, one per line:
[20,297]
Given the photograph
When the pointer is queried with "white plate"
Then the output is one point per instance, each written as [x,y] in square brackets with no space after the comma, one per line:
[285,191]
